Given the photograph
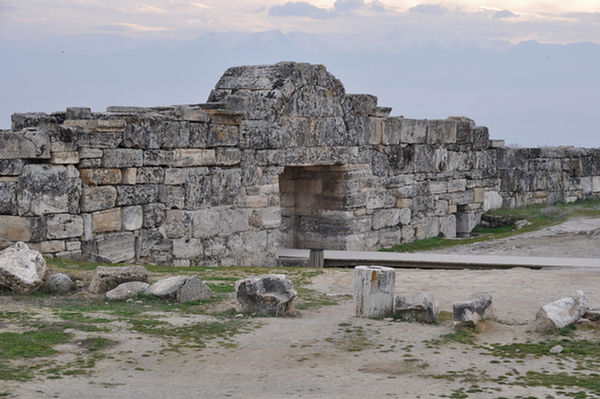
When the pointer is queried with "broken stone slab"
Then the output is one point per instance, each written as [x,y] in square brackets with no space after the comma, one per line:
[420,307]
[180,288]
[266,295]
[21,269]
[468,314]
[126,290]
[562,313]
[106,277]
[59,283]
[374,291]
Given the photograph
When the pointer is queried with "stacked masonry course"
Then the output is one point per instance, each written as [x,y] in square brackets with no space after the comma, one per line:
[279,156]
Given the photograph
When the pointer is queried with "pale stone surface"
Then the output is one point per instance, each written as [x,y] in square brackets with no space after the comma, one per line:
[180,288]
[107,277]
[64,226]
[45,189]
[21,269]
[59,283]
[27,144]
[126,290]
[106,221]
[266,295]
[132,217]
[468,314]
[98,198]
[492,200]
[64,157]
[194,157]
[374,291]
[94,177]
[562,312]
[420,306]
[15,228]
[116,247]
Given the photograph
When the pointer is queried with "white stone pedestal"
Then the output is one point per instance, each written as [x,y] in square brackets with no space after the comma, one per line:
[374,291]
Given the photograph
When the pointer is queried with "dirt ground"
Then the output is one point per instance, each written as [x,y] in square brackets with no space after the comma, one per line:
[328,353]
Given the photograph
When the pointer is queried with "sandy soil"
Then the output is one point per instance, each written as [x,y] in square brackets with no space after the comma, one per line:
[312,356]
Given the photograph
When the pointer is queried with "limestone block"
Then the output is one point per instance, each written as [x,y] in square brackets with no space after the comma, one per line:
[223,221]
[266,295]
[8,198]
[374,291]
[132,217]
[438,187]
[180,288]
[194,157]
[386,218]
[420,307]
[268,218]
[492,200]
[86,153]
[87,226]
[413,131]
[468,314]
[64,226]
[404,216]
[129,176]
[122,158]
[106,221]
[150,175]
[225,185]
[187,248]
[48,247]
[44,189]
[108,277]
[73,245]
[90,163]
[94,177]
[98,198]
[64,158]
[173,197]
[139,194]
[25,144]
[178,224]
[59,283]
[126,290]
[448,226]
[193,114]
[466,221]
[478,193]
[158,157]
[456,185]
[11,167]
[153,215]
[596,184]
[28,119]
[481,138]
[116,247]
[441,131]
[174,176]
[21,269]
[155,246]
[99,139]
[562,312]
[78,113]
[222,135]
[228,156]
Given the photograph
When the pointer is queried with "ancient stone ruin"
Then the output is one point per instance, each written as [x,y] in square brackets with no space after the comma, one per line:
[279,156]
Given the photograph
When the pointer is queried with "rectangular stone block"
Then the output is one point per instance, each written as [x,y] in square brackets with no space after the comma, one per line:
[122,158]
[129,176]
[98,198]
[139,194]
[64,226]
[392,131]
[85,153]
[25,144]
[94,177]
[100,139]
[17,228]
[44,189]
[192,114]
[11,167]
[158,157]
[8,198]
[190,248]
[64,158]
[441,132]
[178,224]
[223,135]
[413,131]
[106,221]
[596,184]
[209,222]
[132,217]
[90,163]
[376,128]
[150,175]
[48,247]
[194,157]
[386,218]
[175,176]
[117,247]
[228,156]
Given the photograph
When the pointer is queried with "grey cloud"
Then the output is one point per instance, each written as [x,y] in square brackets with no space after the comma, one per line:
[348,5]
[504,14]
[301,9]
[431,9]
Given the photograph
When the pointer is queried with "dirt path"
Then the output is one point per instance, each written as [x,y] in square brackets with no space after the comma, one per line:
[328,353]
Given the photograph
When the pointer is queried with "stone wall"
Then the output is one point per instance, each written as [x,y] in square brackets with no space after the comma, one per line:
[279,156]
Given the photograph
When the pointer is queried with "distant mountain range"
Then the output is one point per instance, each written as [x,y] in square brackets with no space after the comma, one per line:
[529,93]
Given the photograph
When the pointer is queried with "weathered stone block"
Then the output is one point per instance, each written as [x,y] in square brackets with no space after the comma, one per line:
[94,177]
[126,290]
[228,156]
[8,198]
[44,189]
[106,221]
[138,195]
[116,247]
[132,217]
[174,176]
[180,288]
[11,167]
[492,200]
[17,228]
[266,295]
[194,157]
[374,291]
[26,144]
[562,312]
[187,248]
[150,175]
[59,283]
[413,131]
[416,307]
[441,132]
[21,269]
[225,186]
[386,218]
[468,314]
[158,157]
[109,140]
[98,198]
[64,226]
[107,278]
[208,222]
[153,215]
[223,135]
[86,153]
[122,158]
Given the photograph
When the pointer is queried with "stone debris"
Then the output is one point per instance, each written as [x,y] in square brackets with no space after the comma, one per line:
[592,314]
[266,295]
[374,291]
[126,290]
[468,314]
[59,283]
[107,277]
[556,349]
[21,269]
[180,288]
[562,313]
[420,307]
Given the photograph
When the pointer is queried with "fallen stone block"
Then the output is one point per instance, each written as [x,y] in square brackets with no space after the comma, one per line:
[592,314]
[126,290]
[59,283]
[266,295]
[374,291]
[468,314]
[562,313]
[21,269]
[106,278]
[180,288]
[420,307]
